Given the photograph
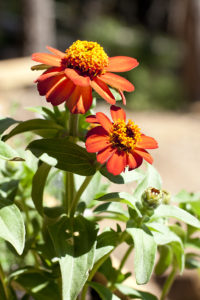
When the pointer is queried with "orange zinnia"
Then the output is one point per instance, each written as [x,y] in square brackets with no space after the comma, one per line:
[85,66]
[120,144]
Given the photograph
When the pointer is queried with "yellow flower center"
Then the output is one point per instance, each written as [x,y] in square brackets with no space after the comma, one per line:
[89,58]
[124,136]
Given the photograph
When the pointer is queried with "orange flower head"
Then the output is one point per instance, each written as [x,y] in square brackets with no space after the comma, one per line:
[118,144]
[71,76]
[124,136]
[89,58]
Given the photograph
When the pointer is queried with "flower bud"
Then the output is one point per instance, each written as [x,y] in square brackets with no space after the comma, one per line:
[166,197]
[152,198]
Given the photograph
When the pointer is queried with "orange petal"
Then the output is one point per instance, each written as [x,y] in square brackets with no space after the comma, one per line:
[116,163]
[117,82]
[121,63]
[104,121]
[144,154]
[133,161]
[56,52]
[95,143]
[105,154]
[48,59]
[123,97]
[76,78]
[80,100]
[117,113]
[61,92]
[92,119]
[49,73]
[44,86]
[147,142]
[102,89]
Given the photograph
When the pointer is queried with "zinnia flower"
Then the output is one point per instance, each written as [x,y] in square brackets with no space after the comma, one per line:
[85,66]
[118,143]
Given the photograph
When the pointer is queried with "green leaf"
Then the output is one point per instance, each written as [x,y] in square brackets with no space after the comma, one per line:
[178,251]
[162,234]
[121,197]
[144,254]
[132,293]
[12,225]
[37,283]
[113,208]
[165,259]
[75,242]
[38,184]
[106,242]
[169,211]
[125,177]
[70,157]
[103,291]
[6,123]
[8,189]
[192,261]
[8,153]
[152,179]
[31,125]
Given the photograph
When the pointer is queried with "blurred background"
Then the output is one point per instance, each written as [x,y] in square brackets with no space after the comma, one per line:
[164,35]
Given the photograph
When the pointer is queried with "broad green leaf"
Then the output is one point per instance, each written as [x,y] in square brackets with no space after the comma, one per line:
[185,197]
[106,242]
[103,291]
[135,294]
[178,251]
[167,211]
[31,125]
[165,259]
[196,207]
[37,283]
[121,197]
[124,177]
[113,208]
[75,242]
[162,234]
[194,243]
[8,153]
[8,189]
[192,261]
[38,185]
[152,179]
[144,254]
[70,157]
[12,225]
[6,123]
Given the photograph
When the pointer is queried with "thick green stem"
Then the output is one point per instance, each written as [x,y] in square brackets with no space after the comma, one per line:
[168,283]
[69,191]
[79,193]
[92,273]
[73,125]
[123,261]
[4,283]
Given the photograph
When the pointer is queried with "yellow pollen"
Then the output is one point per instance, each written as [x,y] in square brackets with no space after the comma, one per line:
[89,58]
[124,136]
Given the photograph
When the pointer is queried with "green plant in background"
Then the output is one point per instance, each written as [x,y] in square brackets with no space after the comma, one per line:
[53,198]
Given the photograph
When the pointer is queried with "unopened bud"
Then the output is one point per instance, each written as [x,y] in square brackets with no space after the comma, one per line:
[166,197]
[152,198]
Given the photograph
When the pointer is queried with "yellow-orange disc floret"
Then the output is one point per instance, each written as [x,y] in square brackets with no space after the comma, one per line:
[89,58]
[124,136]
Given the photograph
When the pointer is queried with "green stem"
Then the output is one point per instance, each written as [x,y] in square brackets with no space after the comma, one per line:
[69,191]
[123,261]
[73,125]
[92,273]
[168,283]
[79,193]
[4,284]
[126,255]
